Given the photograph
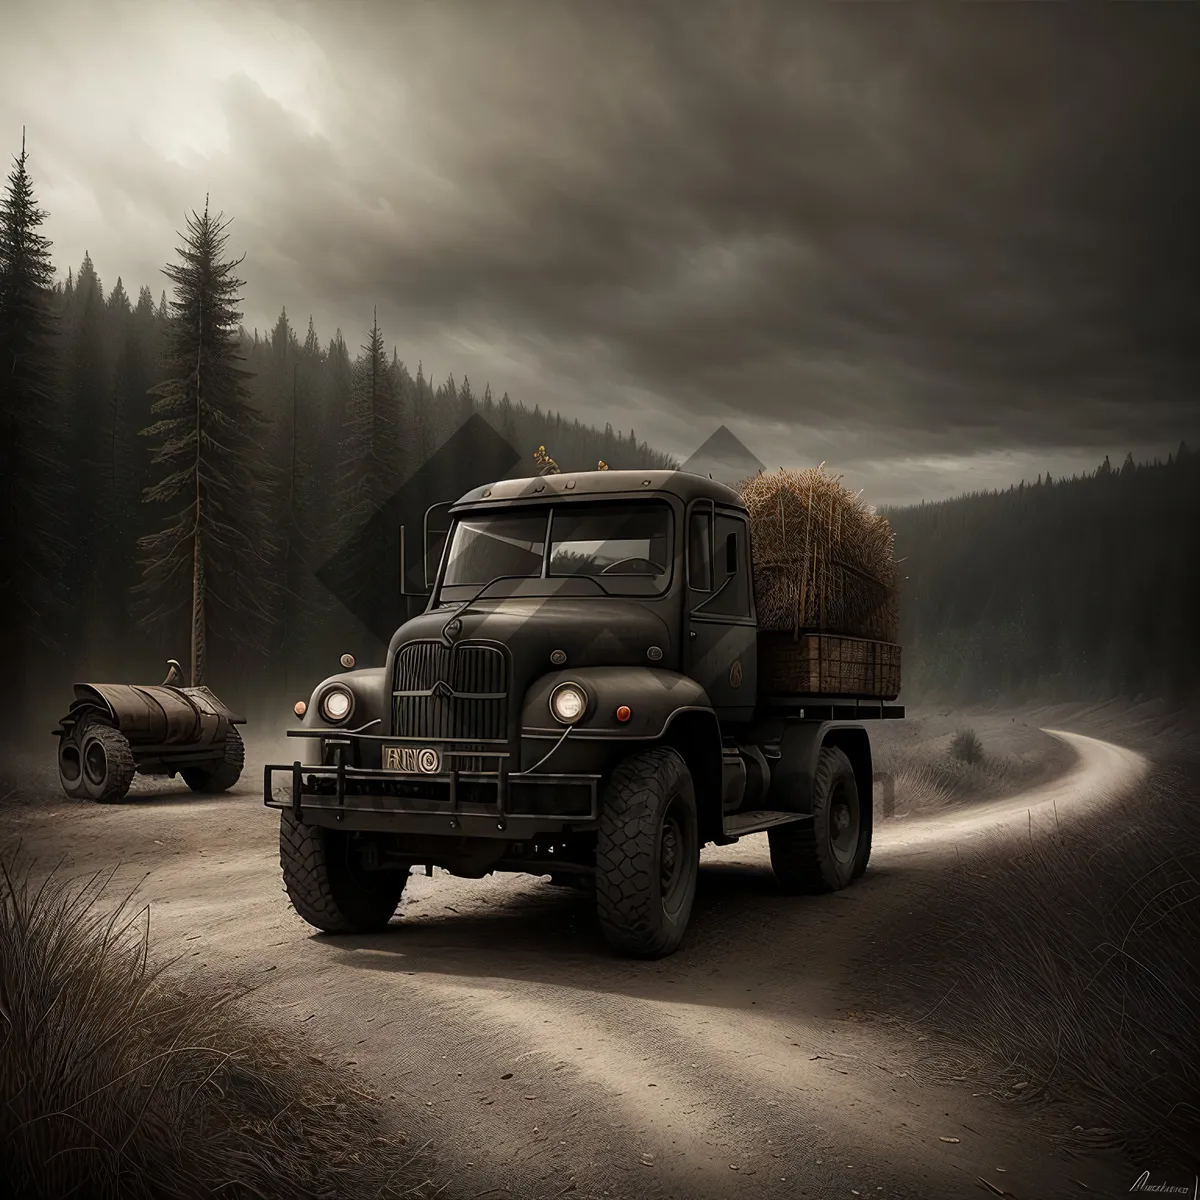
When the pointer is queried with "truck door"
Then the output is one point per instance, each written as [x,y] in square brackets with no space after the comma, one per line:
[720,649]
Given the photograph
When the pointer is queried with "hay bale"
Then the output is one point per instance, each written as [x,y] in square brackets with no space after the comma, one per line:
[822,558]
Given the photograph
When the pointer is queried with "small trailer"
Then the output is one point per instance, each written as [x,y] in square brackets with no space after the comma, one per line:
[588,696]
[114,730]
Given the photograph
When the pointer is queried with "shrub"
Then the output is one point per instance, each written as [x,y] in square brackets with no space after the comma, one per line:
[966,746]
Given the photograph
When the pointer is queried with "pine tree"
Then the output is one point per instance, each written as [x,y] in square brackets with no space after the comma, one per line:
[206,441]
[508,425]
[375,403]
[30,431]
[466,402]
[87,396]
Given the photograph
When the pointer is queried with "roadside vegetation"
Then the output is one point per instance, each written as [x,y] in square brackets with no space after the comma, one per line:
[934,773]
[118,1080]
[1065,966]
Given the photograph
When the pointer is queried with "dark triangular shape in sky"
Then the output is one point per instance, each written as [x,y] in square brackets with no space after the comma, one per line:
[365,573]
[723,457]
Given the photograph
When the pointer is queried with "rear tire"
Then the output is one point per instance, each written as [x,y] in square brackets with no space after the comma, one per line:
[829,852]
[328,887]
[222,776]
[647,854]
[106,763]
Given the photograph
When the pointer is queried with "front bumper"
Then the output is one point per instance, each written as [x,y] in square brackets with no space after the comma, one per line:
[499,803]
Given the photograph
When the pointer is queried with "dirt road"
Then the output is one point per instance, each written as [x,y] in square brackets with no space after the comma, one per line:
[538,1064]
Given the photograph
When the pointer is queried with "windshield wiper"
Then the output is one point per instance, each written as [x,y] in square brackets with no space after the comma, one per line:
[478,593]
[466,604]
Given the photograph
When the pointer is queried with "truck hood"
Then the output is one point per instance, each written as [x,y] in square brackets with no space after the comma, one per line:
[591,631]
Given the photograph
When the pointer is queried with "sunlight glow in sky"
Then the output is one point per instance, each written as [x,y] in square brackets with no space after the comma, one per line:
[669,225]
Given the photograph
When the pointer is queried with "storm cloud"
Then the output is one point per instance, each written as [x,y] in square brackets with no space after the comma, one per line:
[939,248]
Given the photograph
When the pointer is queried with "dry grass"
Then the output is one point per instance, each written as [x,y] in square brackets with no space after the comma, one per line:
[935,774]
[822,558]
[116,1080]
[1066,966]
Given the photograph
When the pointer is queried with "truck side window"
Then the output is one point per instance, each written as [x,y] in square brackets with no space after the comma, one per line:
[733,559]
[700,572]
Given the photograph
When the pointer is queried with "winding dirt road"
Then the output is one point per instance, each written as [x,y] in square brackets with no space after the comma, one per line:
[540,1065]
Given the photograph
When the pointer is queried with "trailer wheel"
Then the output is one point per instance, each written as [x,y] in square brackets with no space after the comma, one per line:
[830,851]
[328,887]
[106,765]
[647,854]
[222,776]
[70,765]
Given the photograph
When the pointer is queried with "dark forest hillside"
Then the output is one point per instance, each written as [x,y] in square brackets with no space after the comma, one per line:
[1076,589]
[318,446]
[1084,588]
[309,441]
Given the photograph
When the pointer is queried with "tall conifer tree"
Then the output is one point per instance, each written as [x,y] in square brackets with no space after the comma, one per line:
[30,434]
[218,541]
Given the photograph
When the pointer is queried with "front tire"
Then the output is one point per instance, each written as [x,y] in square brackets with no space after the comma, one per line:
[106,763]
[327,884]
[829,852]
[222,776]
[647,854]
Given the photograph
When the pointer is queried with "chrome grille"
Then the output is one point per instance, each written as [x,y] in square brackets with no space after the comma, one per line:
[454,692]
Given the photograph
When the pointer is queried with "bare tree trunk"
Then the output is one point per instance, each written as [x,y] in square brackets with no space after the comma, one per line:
[198,626]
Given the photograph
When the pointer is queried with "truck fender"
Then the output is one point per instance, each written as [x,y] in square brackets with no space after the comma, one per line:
[793,771]
[368,687]
[665,707]
[654,698]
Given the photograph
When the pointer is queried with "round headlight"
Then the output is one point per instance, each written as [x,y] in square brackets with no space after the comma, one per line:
[336,704]
[568,702]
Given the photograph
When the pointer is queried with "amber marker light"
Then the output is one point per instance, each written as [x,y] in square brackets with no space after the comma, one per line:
[300,708]
[623,713]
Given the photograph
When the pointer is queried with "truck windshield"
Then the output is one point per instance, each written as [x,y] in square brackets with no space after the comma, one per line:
[626,545]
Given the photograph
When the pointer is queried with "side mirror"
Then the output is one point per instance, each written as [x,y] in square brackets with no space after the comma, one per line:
[731,563]
[405,590]
[435,542]
[700,555]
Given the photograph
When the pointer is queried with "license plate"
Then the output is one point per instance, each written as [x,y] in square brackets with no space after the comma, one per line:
[415,760]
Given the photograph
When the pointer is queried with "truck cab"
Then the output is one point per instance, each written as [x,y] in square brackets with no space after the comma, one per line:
[579,698]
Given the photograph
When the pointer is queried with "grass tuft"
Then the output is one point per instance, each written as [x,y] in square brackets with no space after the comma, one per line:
[118,1081]
[966,746]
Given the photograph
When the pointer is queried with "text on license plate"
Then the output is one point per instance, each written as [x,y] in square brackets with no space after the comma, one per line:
[419,760]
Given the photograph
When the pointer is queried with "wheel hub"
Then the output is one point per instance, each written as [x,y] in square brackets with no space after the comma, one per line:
[95,762]
[843,826]
[670,855]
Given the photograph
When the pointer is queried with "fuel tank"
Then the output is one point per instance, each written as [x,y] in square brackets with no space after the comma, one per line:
[155,715]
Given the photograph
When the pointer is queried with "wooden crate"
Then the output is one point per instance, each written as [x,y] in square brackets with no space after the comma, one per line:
[827,664]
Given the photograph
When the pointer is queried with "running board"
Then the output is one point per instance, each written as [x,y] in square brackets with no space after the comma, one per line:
[738,824]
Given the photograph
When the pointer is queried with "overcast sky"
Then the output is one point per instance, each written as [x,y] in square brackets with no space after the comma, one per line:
[940,248]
